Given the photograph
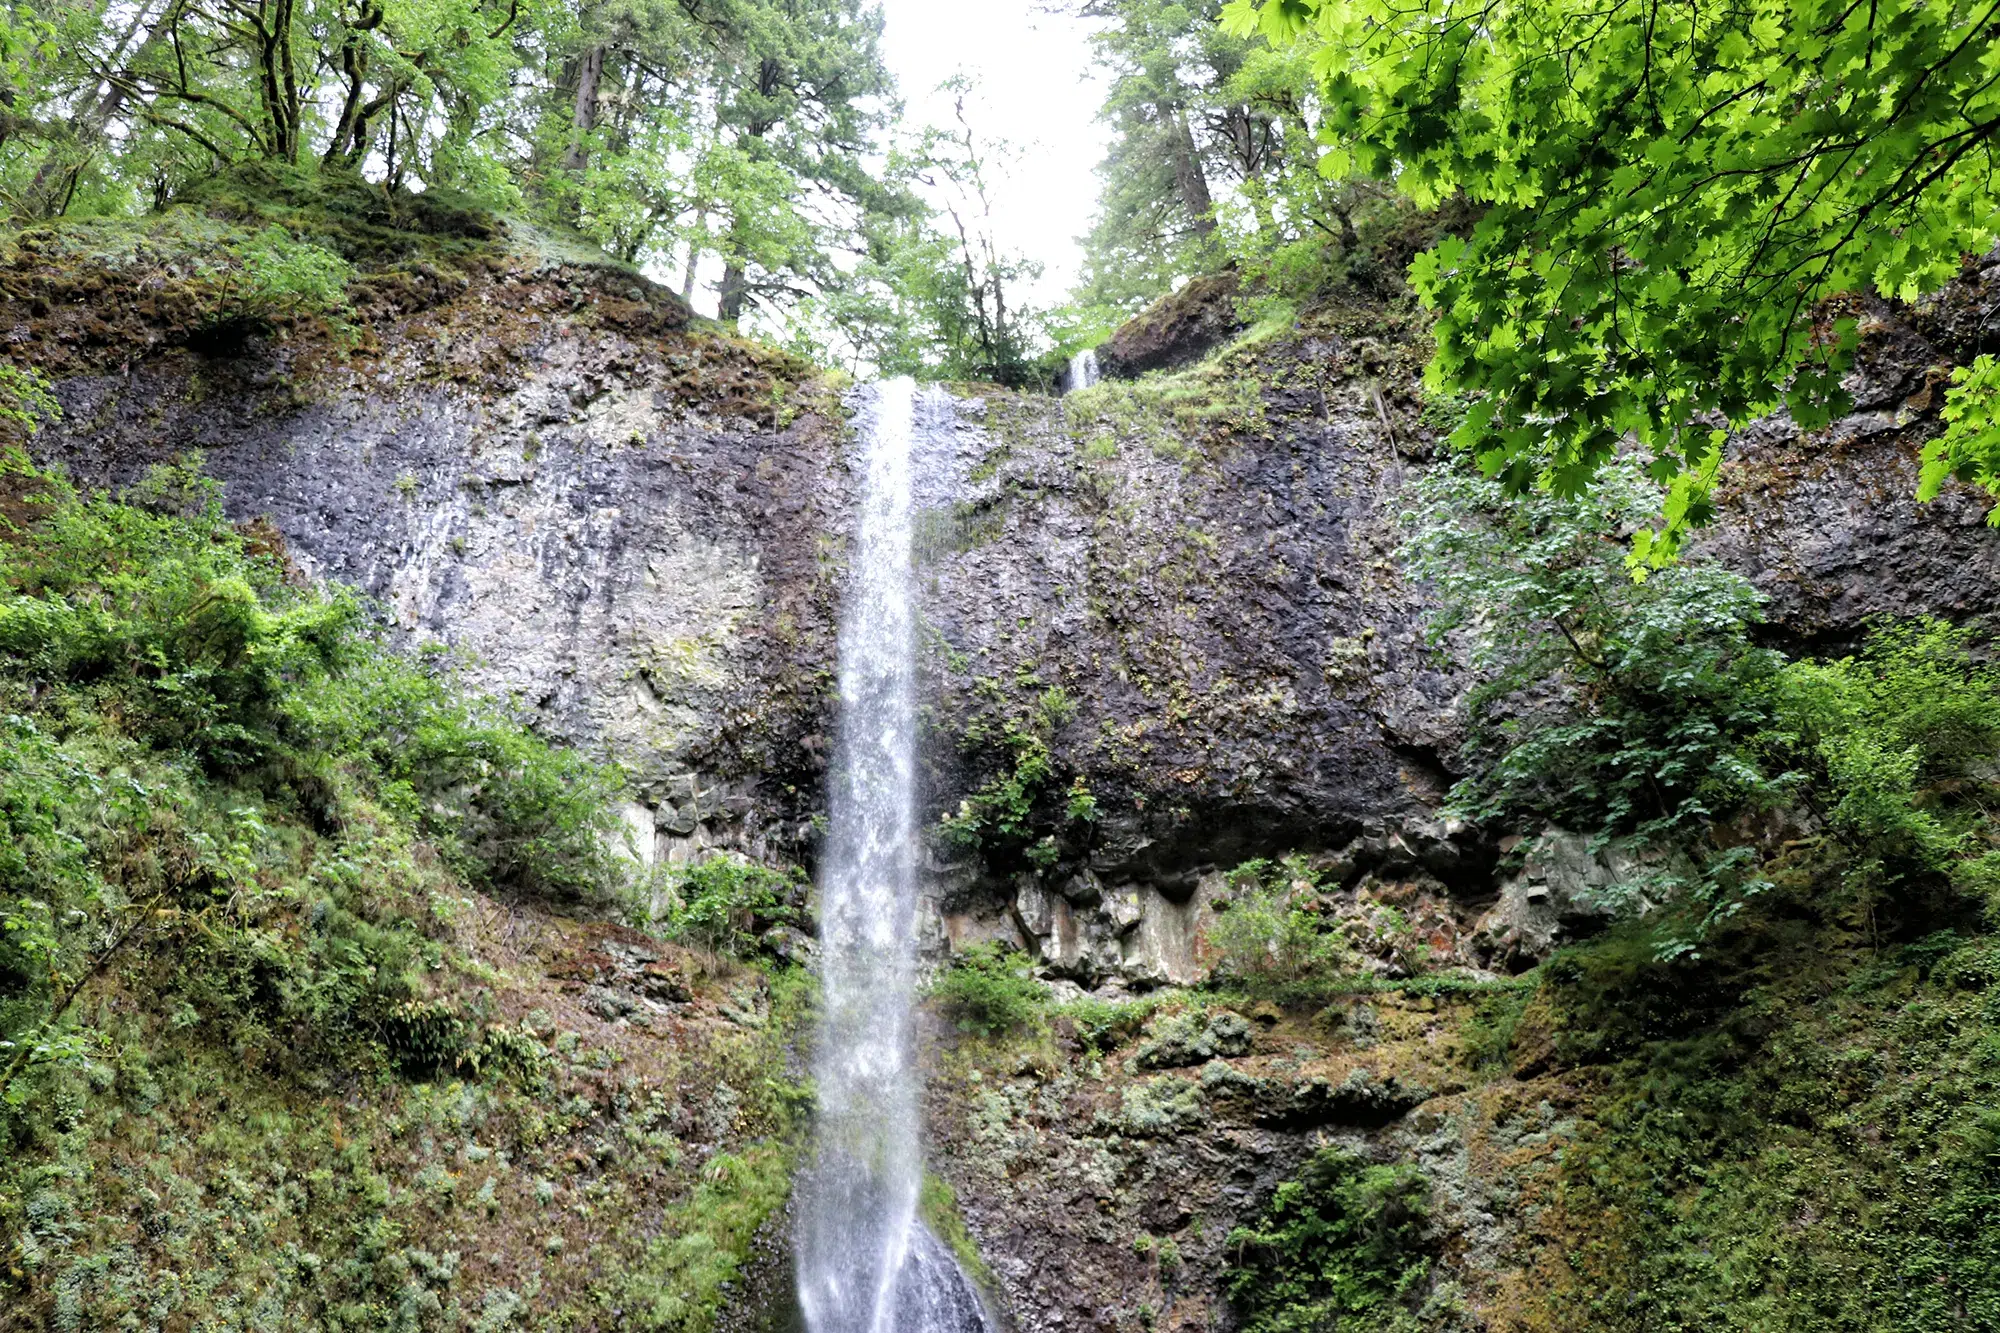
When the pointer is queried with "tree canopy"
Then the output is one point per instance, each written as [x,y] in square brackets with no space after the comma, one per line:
[751,147]
[1674,199]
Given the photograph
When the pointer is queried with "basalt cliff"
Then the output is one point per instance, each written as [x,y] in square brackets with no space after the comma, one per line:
[1165,631]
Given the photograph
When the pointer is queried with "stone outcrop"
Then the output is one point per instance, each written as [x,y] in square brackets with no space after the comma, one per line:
[1177,330]
[627,527]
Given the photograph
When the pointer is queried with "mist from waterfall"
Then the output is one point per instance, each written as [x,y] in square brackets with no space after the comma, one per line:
[865,1263]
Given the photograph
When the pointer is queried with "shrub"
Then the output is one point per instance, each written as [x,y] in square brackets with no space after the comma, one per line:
[195,750]
[1878,734]
[717,905]
[1342,1248]
[162,603]
[1270,941]
[990,992]
[1605,701]
[507,810]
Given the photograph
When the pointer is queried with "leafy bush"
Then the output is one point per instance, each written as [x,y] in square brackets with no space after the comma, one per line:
[1878,735]
[165,607]
[195,750]
[1342,1248]
[507,810]
[1104,1025]
[990,992]
[1270,940]
[717,905]
[1605,702]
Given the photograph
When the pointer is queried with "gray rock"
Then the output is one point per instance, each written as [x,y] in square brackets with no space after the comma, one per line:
[790,944]
[1193,1038]
[1565,890]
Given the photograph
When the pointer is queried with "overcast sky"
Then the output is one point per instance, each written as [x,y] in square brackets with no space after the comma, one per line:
[1040,92]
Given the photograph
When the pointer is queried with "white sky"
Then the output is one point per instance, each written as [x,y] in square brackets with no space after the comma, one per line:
[1039,92]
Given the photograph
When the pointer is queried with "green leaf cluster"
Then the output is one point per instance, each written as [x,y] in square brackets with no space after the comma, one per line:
[220,777]
[1603,702]
[719,904]
[989,991]
[1670,196]
[1343,1247]
[1271,941]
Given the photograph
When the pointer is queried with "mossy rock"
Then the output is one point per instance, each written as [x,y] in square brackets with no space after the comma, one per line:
[371,226]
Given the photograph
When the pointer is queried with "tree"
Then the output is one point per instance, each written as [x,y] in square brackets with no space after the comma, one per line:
[936,293]
[801,91]
[1674,198]
[1157,219]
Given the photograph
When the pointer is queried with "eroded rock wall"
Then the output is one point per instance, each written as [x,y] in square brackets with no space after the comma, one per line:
[629,527]
[1184,589]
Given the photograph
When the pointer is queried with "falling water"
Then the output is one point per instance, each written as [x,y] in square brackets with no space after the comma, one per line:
[1082,371]
[865,1264]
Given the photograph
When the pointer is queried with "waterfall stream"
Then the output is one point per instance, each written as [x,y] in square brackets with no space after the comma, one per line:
[865,1262]
[1083,371]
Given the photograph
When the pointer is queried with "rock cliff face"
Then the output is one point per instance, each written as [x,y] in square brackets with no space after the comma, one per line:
[630,527]
[1165,631]
[1181,591]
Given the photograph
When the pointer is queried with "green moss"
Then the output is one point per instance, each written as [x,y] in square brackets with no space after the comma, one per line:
[311,1084]
[1345,1247]
[680,1283]
[1821,1154]
[937,1206]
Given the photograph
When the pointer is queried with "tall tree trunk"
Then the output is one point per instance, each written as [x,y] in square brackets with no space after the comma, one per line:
[589,74]
[349,143]
[278,84]
[694,257]
[735,291]
[94,117]
[1189,178]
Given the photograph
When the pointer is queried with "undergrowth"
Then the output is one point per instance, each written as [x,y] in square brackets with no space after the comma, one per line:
[253,1071]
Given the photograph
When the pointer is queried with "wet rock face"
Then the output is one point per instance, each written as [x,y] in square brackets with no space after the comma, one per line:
[1103,1186]
[1828,525]
[624,531]
[1185,591]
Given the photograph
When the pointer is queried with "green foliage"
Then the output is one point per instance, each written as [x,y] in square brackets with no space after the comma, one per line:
[1104,1025]
[182,723]
[1668,193]
[1006,813]
[1342,1248]
[1271,942]
[684,1278]
[160,605]
[272,275]
[1880,734]
[1798,1074]
[716,905]
[1604,703]
[672,135]
[1969,447]
[26,400]
[989,992]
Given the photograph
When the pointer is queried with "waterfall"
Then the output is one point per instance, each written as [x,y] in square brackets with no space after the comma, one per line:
[1082,371]
[865,1263]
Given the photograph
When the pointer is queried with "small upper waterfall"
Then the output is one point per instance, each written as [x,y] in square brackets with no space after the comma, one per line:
[865,1263]
[1082,371]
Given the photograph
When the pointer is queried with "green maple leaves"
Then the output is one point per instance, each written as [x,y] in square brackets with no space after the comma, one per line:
[1672,193]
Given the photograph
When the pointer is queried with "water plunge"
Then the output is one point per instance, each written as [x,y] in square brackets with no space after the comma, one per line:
[865,1263]
[1083,371]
